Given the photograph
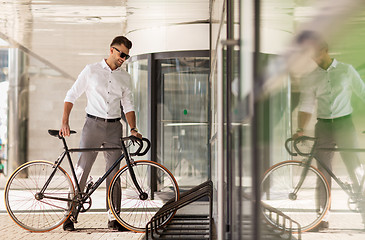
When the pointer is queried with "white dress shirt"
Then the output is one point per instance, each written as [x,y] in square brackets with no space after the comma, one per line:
[332,89]
[105,90]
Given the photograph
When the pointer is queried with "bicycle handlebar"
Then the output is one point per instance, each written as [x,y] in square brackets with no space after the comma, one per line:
[296,141]
[132,138]
[140,144]
[287,147]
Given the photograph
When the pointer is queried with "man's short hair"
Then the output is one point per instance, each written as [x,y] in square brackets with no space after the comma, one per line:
[315,38]
[122,40]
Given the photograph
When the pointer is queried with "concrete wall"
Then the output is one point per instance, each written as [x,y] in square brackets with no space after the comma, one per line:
[47,90]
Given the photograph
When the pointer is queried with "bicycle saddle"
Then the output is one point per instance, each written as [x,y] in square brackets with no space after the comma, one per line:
[54,133]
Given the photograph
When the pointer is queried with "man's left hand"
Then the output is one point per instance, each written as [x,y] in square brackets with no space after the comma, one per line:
[136,134]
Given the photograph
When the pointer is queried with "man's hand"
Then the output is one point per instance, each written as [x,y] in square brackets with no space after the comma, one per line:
[136,134]
[131,119]
[65,130]
[303,119]
[299,133]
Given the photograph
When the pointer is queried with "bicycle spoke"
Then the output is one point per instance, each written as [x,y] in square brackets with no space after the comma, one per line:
[41,214]
[135,213]
[305,207]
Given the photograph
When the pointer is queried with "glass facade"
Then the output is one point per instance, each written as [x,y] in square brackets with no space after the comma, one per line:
[171,93]
[139,74]
[259,93]
[4,88]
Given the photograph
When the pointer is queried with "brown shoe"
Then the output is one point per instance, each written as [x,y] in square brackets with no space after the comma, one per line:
[115,225]
[320,226]
[68,225]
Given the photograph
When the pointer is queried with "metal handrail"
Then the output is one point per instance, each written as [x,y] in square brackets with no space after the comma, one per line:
[284,219]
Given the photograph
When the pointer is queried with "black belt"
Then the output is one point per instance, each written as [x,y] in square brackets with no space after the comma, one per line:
[332,120]
[103,119]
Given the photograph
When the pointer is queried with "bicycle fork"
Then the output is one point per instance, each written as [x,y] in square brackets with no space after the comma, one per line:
[142,195]
[306,165]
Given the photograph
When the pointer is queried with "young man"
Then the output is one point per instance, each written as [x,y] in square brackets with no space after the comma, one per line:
[107,87]
[330,85]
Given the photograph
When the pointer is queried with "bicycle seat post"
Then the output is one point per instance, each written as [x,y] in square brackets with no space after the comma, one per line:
[64,142]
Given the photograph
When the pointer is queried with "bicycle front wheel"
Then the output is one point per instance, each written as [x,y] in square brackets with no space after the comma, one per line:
[31,210]
[136,211]
[307,206]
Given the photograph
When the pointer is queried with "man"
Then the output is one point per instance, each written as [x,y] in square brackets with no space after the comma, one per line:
[107,88]
[330,85]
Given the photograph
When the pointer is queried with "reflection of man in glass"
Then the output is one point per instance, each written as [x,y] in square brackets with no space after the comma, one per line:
[330,85]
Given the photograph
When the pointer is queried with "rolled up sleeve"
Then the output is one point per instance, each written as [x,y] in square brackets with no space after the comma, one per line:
[78,88]
[127,99]
[358,85]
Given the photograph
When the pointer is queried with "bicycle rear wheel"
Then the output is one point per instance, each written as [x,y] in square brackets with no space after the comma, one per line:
[307,206]
[31,210]
[155,180]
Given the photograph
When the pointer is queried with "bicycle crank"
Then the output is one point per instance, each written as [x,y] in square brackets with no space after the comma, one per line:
[86,205]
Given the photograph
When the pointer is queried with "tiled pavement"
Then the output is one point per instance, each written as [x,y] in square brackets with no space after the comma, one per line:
[91,226]
[344,225]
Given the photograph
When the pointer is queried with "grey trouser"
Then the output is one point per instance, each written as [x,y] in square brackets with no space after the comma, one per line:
[97,133]
[341,133]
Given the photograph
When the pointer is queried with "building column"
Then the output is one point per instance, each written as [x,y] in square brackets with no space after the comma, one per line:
[18,109]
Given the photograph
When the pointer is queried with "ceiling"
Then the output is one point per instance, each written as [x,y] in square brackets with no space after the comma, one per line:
[68,34]
[65,35]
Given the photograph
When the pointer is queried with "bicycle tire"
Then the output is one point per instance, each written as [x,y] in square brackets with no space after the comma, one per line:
[304,208]
[21,202]
[135,213]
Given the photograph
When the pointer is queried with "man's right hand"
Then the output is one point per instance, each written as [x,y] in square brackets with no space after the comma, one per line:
[298,133]
[65,130]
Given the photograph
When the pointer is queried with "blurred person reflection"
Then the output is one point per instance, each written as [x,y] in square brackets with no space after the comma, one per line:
[330,86]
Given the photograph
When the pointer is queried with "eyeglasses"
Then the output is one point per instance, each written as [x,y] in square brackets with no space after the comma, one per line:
[122,54]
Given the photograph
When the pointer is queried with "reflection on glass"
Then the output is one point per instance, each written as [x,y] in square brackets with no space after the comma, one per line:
[183,118]
[4,87]
[139,74]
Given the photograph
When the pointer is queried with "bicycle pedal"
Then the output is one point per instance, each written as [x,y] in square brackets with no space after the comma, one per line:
[73,219]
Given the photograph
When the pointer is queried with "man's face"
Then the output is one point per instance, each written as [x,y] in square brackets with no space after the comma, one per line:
[319,54]
[117,51]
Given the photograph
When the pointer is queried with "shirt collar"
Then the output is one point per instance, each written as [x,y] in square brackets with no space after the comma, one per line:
[333,64]
[106,66]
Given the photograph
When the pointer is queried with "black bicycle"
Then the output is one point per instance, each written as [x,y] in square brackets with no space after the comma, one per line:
[40,195]
[293,187]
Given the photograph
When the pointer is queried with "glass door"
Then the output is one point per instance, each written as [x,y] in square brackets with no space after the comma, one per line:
[182,118]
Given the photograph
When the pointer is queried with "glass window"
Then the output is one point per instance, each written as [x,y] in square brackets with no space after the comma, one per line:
[4,88]
[139,74]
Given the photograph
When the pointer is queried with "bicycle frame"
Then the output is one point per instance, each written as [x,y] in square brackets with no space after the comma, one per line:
[352,193]
[83,196]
